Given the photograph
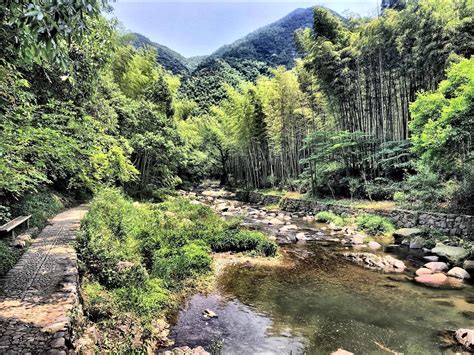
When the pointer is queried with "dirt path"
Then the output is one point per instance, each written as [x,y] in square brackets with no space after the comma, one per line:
[38,293]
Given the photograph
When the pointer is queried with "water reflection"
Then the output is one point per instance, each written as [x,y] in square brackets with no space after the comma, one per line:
[317,305]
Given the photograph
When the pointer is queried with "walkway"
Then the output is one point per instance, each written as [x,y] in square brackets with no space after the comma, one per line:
[37,295]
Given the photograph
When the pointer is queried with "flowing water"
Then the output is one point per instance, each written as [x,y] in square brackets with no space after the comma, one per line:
[315,303]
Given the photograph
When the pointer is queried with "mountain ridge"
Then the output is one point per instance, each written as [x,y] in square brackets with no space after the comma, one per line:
[272,44]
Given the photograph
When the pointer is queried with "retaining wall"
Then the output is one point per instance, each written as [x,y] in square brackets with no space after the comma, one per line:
[451,224]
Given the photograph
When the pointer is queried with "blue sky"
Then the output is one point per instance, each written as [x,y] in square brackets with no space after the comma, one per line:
[196,27]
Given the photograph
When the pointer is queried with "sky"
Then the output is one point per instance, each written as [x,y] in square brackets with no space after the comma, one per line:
[199,28]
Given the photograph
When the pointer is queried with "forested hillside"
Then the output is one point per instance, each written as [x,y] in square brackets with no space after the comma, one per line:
[273,44]
[166,57]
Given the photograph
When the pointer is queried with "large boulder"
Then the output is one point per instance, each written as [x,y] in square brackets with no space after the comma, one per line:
[454,254]
[465,338]
[406,233]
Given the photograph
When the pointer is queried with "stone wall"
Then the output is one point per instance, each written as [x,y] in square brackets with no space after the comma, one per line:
[451,224]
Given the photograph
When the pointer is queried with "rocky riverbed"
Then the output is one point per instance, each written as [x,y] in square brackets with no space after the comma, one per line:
[348,269]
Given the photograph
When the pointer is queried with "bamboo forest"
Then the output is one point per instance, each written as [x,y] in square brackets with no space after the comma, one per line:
[305,187]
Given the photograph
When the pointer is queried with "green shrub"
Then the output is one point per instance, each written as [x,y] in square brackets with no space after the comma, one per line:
[8,257]
[40,205]
[174,265]
[145,302]
[374,225]
[5,214]
[325,216]
[243,240]
[97,301]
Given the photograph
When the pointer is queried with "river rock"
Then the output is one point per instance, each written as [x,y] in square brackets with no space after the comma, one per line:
[275,221]
[406,233]
[222,207]
[417,242]
[459,273]
[208,314]
[423,271]
[436,266]
[341,352]
[453,254]
[288,228]
[433,280]
[335,228]
[371,261]
[357,239]
[465,338]
[431,258]
[374,245]
[300,236]
[186,350]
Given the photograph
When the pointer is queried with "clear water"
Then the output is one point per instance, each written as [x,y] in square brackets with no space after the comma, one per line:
[316,303]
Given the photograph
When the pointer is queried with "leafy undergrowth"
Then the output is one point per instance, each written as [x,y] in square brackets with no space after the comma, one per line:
[8,256]
[135,258]
[40,205]
[372,225]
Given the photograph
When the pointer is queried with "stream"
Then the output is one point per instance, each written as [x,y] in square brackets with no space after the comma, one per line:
[315,302]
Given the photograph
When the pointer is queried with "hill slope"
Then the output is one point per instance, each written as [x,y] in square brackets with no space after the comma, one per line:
[273,44]
[167,57]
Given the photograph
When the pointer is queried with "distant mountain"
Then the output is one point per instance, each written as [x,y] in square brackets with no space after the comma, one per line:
[168,58]
[205,77]
[273,44]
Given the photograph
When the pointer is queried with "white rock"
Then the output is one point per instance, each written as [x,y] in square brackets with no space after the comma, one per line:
[341,352]
[289,227]
[465,337]
[459,273]
[275,221]
[436,266]
[300,236]
[374,245]
[358,239]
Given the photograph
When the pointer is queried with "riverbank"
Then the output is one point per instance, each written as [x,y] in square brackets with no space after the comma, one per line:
[451,224]
[327,255]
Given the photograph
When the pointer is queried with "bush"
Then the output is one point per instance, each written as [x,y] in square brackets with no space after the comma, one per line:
[98,302]
[243,240]
[40,206]
[8,257]
[175,265]
[145,302]
[325,216]
[374,225]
